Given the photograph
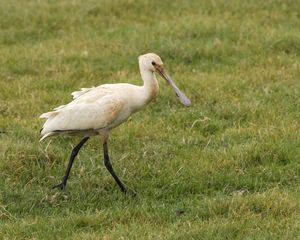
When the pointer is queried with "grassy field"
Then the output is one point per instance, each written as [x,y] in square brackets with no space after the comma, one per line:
[228,167]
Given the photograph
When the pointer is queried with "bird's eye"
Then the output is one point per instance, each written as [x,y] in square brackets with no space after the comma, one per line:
[153,63]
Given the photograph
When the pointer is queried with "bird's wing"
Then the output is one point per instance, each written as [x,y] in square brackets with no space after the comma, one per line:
[75,95]
[96,109]
[82,91]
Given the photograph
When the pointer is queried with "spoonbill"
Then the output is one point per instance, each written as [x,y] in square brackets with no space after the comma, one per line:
[97,110]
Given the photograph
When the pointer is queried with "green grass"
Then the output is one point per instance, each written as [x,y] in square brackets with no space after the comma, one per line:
[228,167]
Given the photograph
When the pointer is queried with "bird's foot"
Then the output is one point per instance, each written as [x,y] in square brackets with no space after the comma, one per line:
[130,192]
[61,186]
[127,191]
[124,190]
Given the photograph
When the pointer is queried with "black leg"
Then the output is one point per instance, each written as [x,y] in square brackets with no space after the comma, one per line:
[74,153]
[109,167]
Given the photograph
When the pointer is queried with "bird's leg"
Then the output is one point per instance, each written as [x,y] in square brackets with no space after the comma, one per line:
[74,153]
[109,167]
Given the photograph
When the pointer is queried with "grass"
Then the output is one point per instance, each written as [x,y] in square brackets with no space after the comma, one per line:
[228,167]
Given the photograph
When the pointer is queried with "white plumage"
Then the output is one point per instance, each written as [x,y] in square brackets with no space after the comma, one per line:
[97,110]
[93,110]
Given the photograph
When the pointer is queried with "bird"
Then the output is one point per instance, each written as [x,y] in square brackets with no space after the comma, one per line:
[97,110]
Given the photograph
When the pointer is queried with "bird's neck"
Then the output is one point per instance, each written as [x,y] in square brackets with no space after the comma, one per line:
[150,86]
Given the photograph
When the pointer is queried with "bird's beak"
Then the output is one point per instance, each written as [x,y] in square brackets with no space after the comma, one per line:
[183,99]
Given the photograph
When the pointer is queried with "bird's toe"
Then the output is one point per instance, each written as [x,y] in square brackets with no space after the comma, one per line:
[61,186]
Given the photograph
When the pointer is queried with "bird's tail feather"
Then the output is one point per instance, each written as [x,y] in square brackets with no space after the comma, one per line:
[46,135]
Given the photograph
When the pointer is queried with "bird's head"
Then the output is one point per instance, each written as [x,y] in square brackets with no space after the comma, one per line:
[149,61]
[152,62]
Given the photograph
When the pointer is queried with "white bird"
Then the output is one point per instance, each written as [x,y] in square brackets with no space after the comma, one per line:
[97,110]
